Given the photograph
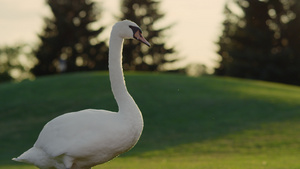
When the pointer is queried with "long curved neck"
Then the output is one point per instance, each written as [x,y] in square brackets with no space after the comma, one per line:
[123,98]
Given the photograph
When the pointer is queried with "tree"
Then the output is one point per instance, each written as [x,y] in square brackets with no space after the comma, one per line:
[289,42]
[138,57]
[68,43]
[16,62]
[256,45]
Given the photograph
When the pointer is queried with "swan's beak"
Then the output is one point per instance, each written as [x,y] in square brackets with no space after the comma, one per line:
[141,38]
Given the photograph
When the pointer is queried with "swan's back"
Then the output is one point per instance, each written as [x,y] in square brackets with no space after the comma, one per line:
[87,133]
[87,128]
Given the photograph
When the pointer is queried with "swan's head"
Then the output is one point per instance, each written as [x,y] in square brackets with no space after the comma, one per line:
[129,30]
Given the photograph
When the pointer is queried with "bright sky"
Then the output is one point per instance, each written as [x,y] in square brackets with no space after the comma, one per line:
[198,24]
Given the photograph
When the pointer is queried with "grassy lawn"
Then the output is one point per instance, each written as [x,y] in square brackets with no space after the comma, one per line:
[190,123]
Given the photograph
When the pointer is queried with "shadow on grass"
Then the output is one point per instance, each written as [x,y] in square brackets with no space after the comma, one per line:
[177,109]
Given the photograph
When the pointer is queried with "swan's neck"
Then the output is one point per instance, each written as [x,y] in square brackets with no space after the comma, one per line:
[123,98]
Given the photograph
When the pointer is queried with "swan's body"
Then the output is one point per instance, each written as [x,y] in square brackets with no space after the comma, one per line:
[80,140]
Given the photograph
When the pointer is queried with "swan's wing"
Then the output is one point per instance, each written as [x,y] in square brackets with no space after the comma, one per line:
[78,133]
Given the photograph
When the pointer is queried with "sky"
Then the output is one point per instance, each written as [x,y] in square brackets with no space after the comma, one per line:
[198,24]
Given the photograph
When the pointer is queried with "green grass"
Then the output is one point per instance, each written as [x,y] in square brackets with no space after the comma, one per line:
[192,123]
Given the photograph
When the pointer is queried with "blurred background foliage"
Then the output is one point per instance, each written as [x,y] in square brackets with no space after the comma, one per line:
[260,40]
[68,41]
[16,62]
[146,13]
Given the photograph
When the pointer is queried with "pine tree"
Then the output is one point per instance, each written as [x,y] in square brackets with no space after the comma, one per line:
[68,43]
[139,57]
[289,42]
[257,43]
[246,40]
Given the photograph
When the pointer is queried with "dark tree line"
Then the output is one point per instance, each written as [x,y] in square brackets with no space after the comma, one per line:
[262,42]
[68,43]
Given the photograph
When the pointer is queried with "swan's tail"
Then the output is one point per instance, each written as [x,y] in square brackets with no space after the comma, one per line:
[31,156]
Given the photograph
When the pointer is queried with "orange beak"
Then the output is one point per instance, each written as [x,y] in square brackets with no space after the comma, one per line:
[140,38]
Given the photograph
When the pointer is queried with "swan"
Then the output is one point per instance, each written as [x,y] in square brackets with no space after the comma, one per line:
[83,139]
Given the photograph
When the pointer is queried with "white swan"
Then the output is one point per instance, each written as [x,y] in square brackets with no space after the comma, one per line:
[80,140]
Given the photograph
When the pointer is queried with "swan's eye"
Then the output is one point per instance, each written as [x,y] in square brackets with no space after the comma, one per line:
[135,30]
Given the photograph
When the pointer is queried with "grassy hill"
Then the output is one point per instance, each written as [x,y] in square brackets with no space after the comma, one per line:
[192,123]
